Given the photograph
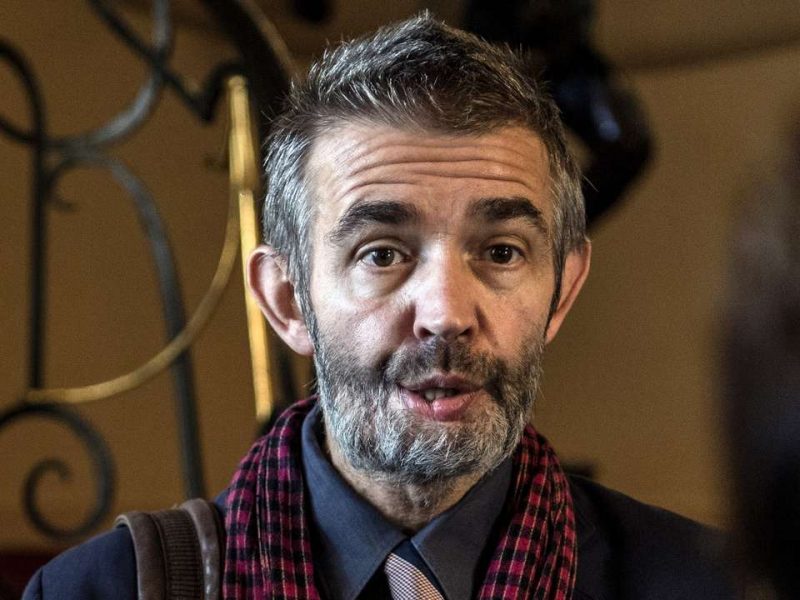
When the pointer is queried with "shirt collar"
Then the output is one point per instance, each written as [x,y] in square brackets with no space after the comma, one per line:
[454,543]
[352,539]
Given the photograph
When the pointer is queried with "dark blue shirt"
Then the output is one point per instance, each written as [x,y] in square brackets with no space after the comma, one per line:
[351,539]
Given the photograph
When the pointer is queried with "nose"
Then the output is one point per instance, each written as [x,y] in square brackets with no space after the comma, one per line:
[446,304]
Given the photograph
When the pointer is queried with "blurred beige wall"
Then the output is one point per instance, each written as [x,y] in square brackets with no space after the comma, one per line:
[631,381]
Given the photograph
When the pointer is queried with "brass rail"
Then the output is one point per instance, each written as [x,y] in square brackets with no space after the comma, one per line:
[244,180]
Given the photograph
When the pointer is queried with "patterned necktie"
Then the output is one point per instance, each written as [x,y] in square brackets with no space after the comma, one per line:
[409,577]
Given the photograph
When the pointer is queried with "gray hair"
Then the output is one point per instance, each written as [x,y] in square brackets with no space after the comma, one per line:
[419,73]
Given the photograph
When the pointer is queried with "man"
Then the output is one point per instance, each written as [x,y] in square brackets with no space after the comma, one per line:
[426,240]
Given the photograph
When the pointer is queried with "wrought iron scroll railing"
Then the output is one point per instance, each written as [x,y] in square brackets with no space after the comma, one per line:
[257,78]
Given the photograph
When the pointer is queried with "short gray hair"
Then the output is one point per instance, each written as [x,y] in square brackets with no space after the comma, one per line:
[419,73]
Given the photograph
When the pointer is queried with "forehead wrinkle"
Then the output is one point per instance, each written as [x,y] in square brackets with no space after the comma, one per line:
[362,152]
[532,185]
[481,165]
[490,174]
[371,138]
[466,145]
[432,137]
[387,158]
[356,145]
[475,167]
[356,186]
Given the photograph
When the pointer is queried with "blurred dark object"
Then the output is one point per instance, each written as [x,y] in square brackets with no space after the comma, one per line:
[315,11]
[595,105]
[264,58]
[586,469]
[762,344]
[16,569]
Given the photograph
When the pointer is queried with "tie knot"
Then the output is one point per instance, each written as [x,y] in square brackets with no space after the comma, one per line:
[408,575]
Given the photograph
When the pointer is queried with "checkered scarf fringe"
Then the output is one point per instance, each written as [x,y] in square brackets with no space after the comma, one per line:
[268,554]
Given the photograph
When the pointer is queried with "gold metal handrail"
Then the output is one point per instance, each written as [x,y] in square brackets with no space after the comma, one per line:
[244,180]
[241,221]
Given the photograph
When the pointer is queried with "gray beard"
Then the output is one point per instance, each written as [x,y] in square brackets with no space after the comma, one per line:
[401,447]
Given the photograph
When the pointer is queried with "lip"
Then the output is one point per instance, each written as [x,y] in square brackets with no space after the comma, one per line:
[443,380]
[448,408]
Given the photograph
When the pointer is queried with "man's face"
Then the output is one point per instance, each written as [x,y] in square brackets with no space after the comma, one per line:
[432,277]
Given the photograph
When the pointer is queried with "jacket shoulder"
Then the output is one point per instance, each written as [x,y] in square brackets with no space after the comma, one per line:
[628,549]
[102,567]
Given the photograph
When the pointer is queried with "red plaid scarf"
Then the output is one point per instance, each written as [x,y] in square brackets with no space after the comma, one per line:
[268,553]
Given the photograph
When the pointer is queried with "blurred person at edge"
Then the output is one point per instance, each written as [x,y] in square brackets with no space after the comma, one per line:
[425,240]
[762,369]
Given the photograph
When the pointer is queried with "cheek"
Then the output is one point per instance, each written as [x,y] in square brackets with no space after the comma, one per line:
[518,319]
[367,326]
[366,287]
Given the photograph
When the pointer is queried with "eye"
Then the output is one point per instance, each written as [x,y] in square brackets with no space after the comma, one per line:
[503,254]
[382,257]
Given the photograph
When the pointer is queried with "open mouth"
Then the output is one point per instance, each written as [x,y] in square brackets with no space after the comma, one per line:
[441,385]
[440,397]
[431,394]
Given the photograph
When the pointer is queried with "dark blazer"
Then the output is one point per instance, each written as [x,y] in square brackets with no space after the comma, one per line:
[626,551]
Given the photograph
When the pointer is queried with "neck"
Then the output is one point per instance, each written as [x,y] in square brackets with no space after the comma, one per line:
[408,506]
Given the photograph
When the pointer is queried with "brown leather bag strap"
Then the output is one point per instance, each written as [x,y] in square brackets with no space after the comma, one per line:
[211,536]
[151,574]
[178,552]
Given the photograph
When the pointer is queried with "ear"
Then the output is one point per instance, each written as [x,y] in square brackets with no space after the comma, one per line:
[576,270]
[270,284]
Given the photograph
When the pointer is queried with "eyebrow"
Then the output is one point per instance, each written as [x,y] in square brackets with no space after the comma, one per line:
[360,214]
[507,209]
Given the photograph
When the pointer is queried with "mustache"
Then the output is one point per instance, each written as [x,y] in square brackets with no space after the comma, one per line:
[412,363]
